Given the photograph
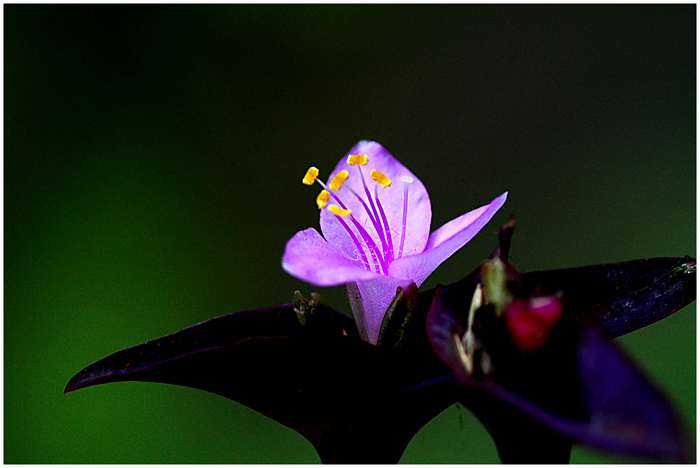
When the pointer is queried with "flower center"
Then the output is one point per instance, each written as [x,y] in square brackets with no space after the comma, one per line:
[381,254]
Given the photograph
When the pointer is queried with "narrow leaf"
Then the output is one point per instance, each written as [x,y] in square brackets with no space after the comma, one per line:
[622,297]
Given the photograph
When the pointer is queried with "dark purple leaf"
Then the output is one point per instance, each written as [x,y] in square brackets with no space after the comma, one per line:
[622,297]
[618,297]
[627,413]
[353,401]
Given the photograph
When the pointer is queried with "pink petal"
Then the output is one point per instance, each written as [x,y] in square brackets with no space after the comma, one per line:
[309,257]
[391,198]
[444,242]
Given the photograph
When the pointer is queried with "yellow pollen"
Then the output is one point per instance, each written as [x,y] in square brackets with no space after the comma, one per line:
[358,159]
[338,180]
[322,199]
[381,179]
[310,176]
[338,211]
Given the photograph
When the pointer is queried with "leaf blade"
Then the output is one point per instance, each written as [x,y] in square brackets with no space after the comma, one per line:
[320,380]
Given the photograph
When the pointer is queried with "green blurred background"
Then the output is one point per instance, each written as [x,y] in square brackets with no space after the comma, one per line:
[153,157]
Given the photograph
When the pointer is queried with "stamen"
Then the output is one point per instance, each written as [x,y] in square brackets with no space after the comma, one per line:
[335,185]
[310,176]
[364,205]
[375,220]
[379,263]
[322,199]
[407,180]
[363,232]
[387,231]
[357,159]
[338,180]
[339,211]
[381,179]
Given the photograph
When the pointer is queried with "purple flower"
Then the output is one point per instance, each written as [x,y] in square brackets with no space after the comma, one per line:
[375,219]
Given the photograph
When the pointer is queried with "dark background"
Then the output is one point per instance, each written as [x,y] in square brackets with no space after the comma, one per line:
[153,157]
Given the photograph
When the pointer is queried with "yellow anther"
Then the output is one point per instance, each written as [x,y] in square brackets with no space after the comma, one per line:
[338,180]
[381,179]
[310,176]
[322,199]
[338,211]
[358,159]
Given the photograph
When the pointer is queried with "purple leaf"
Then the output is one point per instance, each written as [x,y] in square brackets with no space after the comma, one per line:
[623,297]
[343,394]
[618,297]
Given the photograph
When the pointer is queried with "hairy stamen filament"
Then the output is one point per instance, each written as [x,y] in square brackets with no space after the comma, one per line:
[407,180]
[379,262]
[375,221]
[364,205]
[377,227]
[389,252]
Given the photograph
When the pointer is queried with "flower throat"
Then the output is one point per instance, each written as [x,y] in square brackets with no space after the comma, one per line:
[382,256]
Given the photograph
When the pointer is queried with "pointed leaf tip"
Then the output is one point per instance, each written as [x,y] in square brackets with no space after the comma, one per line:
[623,297]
